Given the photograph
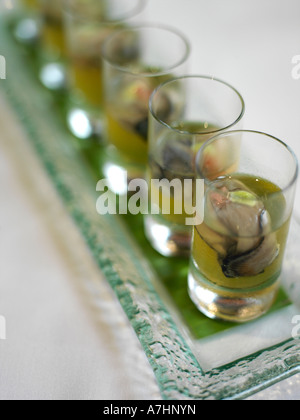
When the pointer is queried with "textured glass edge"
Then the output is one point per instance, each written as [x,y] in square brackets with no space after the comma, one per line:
[112,247]
[177,370]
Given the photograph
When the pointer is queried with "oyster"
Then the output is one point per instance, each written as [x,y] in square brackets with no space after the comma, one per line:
[175,160]
[135,99]
[238,228]
[141,128]
[178,160]
[164,106]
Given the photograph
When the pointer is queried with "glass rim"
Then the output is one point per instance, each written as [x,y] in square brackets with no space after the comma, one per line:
[70,11]
[140,27]
[197,77]
[284,189]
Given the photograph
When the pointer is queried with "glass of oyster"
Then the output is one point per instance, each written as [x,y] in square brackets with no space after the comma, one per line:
[184,113]
[87,24]
[136,61]
[238,250]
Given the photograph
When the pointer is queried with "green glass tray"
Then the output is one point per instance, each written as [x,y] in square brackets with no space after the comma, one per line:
[152,290]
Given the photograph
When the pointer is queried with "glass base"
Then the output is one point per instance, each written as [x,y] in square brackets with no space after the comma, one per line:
[232,305]
[85,124]
[27,30]
[53,76]
[119,172]
[169,239]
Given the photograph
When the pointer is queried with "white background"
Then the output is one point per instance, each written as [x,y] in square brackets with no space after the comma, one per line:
[67,337]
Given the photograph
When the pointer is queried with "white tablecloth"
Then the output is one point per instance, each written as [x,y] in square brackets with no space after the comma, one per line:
[67,337]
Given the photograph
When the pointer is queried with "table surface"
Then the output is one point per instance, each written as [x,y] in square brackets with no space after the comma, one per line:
[67,336]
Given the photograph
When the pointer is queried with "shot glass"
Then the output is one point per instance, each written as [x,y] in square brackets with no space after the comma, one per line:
[53,46]
[184,113]
[136,61]
[87,24]
[238,250]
